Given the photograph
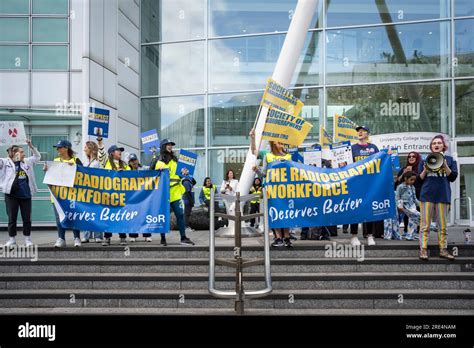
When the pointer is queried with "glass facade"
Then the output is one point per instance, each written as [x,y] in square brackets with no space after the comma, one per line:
[34,35]
[205,64]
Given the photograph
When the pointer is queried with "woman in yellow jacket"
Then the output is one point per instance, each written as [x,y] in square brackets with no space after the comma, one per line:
[169,160]
[114,162]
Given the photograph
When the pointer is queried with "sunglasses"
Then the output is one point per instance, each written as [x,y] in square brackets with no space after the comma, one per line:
[412,156]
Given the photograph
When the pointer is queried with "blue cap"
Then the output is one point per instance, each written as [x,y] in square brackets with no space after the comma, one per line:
[166,142]
[115,148]
[132,157]
[63,143]
[358,128]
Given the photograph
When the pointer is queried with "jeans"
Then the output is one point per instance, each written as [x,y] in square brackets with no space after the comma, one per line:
[188,208]
[254,209]
[177,207]
[61,230]
[14,204]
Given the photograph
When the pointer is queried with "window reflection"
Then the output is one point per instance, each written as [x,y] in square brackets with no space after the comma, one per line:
[240,17]
[464,45]
[172,69]
[401,52]
[422,107]
[464,107]
[246,63]
[180,119]
[171,20]
[350,12]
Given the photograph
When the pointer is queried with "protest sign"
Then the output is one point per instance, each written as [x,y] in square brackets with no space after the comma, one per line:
[99,122]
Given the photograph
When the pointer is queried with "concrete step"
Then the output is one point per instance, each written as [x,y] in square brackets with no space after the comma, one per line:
[300,250]
[226,281]
[280,299]
[229,311]
[200,265]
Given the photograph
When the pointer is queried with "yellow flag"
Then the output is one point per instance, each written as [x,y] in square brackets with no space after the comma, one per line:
[285,128]
[279,97]
[324,138]
[344,129]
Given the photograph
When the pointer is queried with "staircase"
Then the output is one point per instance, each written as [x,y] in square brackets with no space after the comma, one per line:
[173,280]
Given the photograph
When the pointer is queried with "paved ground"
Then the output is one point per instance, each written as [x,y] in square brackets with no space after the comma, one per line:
[47,238]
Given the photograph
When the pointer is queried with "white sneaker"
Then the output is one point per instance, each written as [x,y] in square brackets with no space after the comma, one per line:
[370,240]
[28,242]
[189,229]
[132,240]
[106,242]
[98,240]
[148,239]
[60,243]
[77,242]
[11,242]
[355,241]
[84,240]
[123,241]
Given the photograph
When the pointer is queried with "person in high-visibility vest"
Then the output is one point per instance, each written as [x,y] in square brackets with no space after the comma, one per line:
[255,203]
[67,155]
[115,162]
[205,195]
[168,160]
[277,153]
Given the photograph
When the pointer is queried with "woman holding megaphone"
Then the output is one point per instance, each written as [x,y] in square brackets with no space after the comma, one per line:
[436,173]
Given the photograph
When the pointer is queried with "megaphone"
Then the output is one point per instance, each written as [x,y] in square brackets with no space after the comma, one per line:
[434,161]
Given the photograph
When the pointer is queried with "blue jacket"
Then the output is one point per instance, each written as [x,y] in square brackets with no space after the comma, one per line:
[436,187]
[188,196]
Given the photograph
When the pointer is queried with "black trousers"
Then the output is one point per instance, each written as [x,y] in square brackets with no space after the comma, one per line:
[135,235]
[254,209]
[14,204]
[368,226]
[109,235]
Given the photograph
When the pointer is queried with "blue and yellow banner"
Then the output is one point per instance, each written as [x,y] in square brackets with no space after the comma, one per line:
[278,97]
[324,138]
[129,201]
[344,129]
[306,196]
[285,128]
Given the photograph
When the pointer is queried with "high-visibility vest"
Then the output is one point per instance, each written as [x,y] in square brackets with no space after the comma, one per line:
[259,191]
[177,189]
[108,165]
[270,157]
[207,191]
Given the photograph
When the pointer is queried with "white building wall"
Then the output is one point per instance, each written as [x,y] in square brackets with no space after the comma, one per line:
[112,64]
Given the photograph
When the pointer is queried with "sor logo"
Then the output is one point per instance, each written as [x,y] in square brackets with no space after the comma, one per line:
[381,205]
[155,219]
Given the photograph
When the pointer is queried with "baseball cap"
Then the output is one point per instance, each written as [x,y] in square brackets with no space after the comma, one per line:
[63,143]
[358,128]
[114,148]
[132,157]
[166,142]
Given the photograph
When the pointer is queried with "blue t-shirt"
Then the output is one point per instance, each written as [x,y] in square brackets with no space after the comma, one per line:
[436,187]
[21,187]
[359,152]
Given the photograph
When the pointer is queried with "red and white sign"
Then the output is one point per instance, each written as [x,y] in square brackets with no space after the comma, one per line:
[12,133]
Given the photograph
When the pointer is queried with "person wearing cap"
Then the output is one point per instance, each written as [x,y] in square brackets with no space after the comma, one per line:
[135,164]
[361,150]
[115,162]
[168,160]
[188,197]
[65,155]
[17,180]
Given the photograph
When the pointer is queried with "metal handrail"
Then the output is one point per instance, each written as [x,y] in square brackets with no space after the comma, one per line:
[212,260]
[471,223]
